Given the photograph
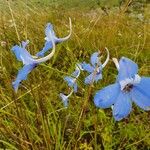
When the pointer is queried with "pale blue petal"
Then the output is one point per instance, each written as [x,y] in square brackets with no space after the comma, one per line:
[22,75]
[69,80]
[127,69]
[122,106]
[89,79]
[98,76]
[49,29]
[22,54]
[64,99]
[87,67]
[75,87]
[141,93]
[47,46]
[144,86]
[75,73]
[107,96]
[24,44]
[95,59]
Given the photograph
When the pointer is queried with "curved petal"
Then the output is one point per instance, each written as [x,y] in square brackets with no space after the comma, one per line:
[127,69]
[50,35]
[47,46]
[68,36]
[122,106]
[94,58]
[107,59]
[141,93]
[22,75]
[107,96]
[22,54]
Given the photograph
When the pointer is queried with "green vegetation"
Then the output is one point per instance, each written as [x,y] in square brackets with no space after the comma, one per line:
[35,118]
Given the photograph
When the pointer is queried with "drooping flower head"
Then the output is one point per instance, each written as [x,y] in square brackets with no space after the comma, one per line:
[28,61]
[72,83]
[48,43]
[95,68]
[71,80]
[129,87]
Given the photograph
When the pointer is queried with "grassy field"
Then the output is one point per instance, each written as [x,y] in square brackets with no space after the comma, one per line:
[35,118]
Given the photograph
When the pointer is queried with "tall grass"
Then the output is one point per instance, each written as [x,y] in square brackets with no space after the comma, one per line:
[35,118]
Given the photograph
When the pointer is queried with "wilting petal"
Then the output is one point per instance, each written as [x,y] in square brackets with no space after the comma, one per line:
[141,93]
[87,67]
[127,69]
[22,75]
[22,55]
[95,58]
[122,106]
[64,99]
[107,96]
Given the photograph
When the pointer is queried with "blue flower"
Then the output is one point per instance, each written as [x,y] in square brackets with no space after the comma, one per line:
[128,87]
[95,68]
[71,80]
[65,98]
[29,62]
[48,43]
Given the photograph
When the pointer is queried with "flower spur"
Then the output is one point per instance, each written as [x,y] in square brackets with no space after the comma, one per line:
[128,87]
[71,81]
[95,68]
[28,61]
[48,44]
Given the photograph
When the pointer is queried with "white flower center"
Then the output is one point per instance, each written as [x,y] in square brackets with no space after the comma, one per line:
[127,84]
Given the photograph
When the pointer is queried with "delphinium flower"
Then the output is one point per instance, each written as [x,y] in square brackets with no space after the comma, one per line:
[129,87]
[95,68]
[48,43]
[72,83]
[28,61]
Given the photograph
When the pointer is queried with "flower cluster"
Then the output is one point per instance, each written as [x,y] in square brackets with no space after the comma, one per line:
[129,86]
[95,70]
[29,61]
[72,83]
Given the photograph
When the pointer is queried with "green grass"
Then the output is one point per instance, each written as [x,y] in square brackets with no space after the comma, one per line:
[35,118]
